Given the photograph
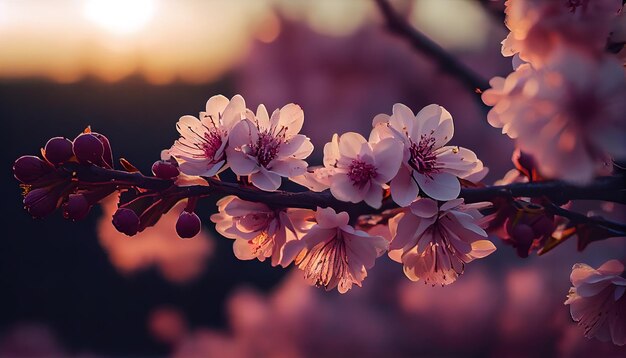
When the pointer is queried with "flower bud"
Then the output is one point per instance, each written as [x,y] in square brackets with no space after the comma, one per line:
[41,202]
[126,221]
[188,225]
[58,150]
[29,169]
[522,236]
[107,155]
[164,169]
[76,207]
[543,226]
[88,148]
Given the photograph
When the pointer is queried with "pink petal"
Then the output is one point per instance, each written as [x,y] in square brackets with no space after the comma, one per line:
[243,250]
[343,189]
[216,105]
[331,151]
[387,159]
[327,218]
[240,163]
[292,117]
[402,119]
[233,112]
[442,186]
[265,180]
[288,167]
[403,189]
[350,144]
[424,208]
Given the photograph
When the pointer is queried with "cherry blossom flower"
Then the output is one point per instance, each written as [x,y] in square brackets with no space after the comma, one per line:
[539,26]
[568,115]
[361,169]
[335,254]
[259,231]
[266,148]
[597,301]
[200,149]
[428,164]
[435,242]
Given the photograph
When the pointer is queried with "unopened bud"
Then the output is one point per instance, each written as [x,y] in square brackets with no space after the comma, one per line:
[107,155]
[543,226]
[522,236]
[88,148]
[126,221]
[188,225]
[58,150]
[164,169]
[76,207]
[28,169]
[41,202]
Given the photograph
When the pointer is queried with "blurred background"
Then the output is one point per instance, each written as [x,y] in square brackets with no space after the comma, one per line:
[131,68]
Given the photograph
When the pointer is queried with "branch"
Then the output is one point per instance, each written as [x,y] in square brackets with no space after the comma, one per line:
[448,63]
[618,229]
[605,188]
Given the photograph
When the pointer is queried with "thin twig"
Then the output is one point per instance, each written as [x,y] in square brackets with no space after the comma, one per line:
[422,43]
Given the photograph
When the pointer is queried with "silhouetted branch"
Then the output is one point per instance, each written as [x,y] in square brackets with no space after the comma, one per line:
[448,63]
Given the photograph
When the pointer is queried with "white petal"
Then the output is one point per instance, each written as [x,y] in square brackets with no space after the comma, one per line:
[240,163]
[331,151]
[343,189]
[402,119]
[288,167]
[387,159]
[350,144]
[292,117]
[234,112]
[216,105]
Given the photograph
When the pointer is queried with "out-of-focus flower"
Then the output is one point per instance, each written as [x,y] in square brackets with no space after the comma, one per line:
[178,260]
[597,301]
[427,163]
[260,232]
[267,148]
[335,254]
[361,170]
[538,27]
[435,242]
[200,149]
[568,115]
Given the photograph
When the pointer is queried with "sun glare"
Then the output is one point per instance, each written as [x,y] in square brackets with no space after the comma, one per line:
[120,16]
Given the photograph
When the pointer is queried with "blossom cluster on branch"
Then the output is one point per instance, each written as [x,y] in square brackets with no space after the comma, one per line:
[401,190]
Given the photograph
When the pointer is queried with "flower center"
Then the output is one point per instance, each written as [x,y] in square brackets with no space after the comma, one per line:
[261,243]
[327,261]
[266,148]
[422,157]
[361,172]
[212,142]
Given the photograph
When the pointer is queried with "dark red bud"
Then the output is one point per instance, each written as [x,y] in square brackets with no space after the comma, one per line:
[543,226]
[164,169]
[188,225]
[28,169]
[108,153]
[76,207]
[126,221]
[88,148]
[41,202]
[58,150]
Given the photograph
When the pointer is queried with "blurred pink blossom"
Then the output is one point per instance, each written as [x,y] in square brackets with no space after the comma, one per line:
[569,115]
[597,301]
[538,27]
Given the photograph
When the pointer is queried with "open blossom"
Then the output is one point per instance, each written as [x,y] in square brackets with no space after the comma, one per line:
[427,164]
[335,254]
[268,148]
[597,301]
[200,149]
[260,232]
[361,169]
[569,115]
[538,27]
[434,242]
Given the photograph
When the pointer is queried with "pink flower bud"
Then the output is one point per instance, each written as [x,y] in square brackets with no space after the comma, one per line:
[126,221]
[188,225]
[58,150]
[76,207]
[543,226]
[29,169]
[164,169]
[88,148]
[41,202]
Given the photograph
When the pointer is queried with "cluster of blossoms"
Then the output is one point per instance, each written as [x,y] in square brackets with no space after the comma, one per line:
[405,152]
[564,103]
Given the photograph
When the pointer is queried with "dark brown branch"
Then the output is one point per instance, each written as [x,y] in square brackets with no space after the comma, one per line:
[577,218]
[448,63]
[605,188]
